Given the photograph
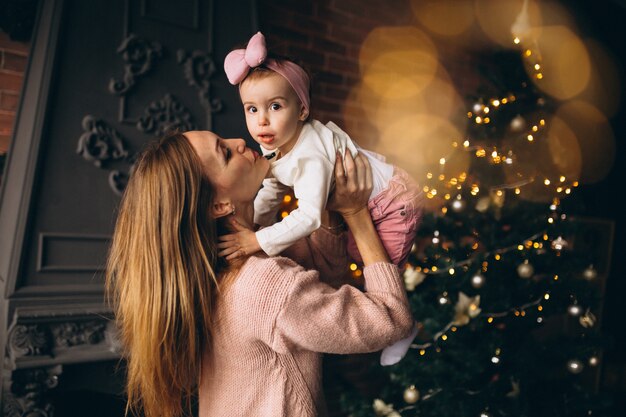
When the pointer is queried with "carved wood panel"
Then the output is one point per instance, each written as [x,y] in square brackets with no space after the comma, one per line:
[105,77]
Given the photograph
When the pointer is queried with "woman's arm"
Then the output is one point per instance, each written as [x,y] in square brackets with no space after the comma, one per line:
[319,318]
[353,187]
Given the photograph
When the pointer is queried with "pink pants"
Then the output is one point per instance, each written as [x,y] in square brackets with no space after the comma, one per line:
[396,212]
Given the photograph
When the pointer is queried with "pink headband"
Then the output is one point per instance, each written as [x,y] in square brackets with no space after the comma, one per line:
[238,63]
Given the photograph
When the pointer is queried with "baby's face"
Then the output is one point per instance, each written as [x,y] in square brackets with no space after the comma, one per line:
[274,114]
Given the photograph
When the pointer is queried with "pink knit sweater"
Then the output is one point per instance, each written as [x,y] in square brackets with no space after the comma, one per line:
[277,318]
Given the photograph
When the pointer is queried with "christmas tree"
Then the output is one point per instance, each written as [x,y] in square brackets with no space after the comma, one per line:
[507,296]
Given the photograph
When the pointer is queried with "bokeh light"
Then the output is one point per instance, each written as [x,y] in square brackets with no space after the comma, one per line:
[565,63]
[416,143]
[496,17]
[444,17]
[595,138]
[605,86]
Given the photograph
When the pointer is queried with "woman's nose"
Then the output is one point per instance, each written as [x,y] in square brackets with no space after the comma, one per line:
[240,145]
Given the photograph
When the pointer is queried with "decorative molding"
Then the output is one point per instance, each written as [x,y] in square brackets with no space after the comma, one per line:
[139,56]
[44,339]
[70,334]
[118,180]
[100,143]
[164,116]
[199,68]
[71,252]
[188,18]
[28,393]
[46,335]
[28,340]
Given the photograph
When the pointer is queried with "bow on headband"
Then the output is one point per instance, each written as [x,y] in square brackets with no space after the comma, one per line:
[238,63]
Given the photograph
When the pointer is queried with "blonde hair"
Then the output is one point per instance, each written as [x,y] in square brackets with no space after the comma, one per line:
[162,277]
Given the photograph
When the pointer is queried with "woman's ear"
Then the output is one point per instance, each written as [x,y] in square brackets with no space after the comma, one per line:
[222,208]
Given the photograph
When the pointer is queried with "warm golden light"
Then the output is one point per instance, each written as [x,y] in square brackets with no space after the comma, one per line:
[444,17]
[565,61]
[594,140]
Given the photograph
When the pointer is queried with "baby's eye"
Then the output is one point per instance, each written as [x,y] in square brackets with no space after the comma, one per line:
[275,106]
[251,109]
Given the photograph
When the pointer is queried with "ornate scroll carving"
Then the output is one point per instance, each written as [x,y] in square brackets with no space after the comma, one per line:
[139,56]
[199,68]
[118,181]
[81,333]
[28,395]
[100,143]
[165,115]
[28,340]
[43,339]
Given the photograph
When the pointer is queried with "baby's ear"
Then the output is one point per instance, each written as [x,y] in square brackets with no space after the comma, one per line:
[304,114]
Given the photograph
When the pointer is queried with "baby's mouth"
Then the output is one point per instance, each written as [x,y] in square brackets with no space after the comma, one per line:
[267,139]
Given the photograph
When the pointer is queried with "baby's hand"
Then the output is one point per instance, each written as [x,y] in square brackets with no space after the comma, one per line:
[241,243]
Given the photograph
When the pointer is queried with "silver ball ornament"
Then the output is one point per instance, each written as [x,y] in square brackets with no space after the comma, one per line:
[478,280]
[590,273]
[525,270]
[518,123]
[411,395]
[574,310]
[444,299]
[559,243]
[575,366]
[458,205]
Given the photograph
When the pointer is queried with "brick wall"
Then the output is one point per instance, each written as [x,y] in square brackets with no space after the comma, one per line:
[13,58]
[327,35]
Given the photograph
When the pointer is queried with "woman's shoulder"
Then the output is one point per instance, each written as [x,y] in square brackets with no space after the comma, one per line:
[264,283]
[272,271]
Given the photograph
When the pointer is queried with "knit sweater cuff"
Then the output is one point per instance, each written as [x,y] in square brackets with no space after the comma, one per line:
[383,277]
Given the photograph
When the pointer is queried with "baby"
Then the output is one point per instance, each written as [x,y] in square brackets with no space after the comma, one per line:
[302,151]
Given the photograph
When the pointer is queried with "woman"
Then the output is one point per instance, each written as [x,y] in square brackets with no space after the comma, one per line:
[247,336]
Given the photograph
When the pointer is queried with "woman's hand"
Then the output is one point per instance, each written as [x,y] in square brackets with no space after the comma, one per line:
[353,185]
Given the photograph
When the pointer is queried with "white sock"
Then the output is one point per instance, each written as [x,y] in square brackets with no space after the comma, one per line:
[394,353]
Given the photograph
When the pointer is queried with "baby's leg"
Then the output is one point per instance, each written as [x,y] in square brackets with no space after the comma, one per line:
[397,212]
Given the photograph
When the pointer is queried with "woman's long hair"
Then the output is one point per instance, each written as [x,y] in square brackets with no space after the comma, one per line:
[162,277]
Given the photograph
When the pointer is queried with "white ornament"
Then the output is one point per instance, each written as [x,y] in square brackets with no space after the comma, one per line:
[478,280]
[412,278]
[525,269]
[483,204]
[458,205]
[381,408]
[411,395]
[574,310]
[518,123]
[590,273]
[575,366]
[466,309]
[559,243]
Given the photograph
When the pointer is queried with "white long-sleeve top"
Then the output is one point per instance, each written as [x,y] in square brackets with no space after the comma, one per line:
[308,169]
